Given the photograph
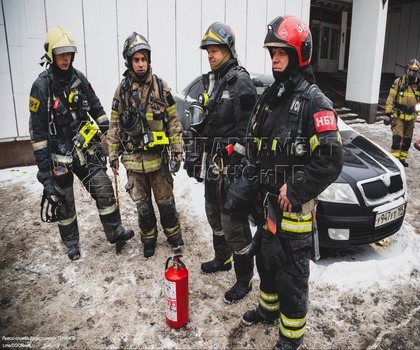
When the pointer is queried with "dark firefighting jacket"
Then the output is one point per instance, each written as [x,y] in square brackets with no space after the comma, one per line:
[296,142]
[231,100]
[58,111]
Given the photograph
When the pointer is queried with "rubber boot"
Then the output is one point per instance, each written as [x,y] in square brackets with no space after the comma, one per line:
[70,237]
[114,230]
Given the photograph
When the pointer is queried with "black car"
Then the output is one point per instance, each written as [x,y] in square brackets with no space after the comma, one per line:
[367,202]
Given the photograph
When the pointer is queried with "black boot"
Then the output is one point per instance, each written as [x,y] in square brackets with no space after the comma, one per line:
[404,163]
[113,228]
[238,292]
[216,266]
[70,236]
[149,249]
[285,345]
[176,242]
[74,252]
[256,315]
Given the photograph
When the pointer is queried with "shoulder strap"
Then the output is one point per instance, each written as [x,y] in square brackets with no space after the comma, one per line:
[308,95]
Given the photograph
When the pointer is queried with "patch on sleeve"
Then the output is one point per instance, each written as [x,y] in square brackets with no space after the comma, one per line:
[170,100]
[33,104]
[325,121]
[115,104]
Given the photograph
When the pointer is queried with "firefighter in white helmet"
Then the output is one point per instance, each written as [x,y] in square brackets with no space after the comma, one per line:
[66,121]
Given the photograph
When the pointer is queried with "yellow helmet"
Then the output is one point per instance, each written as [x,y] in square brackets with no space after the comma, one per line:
[58,41]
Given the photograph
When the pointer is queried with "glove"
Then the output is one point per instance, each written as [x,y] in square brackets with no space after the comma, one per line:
[174,163]
[55,197]
[113,162]
[271,251]
[387,119]
[53,192]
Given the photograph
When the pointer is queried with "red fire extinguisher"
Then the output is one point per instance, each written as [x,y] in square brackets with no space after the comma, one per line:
[176,293]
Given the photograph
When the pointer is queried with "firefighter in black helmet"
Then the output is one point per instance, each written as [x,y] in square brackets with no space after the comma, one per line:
[228,101]
[298,153]
[66,142]
[147,134]
[401,111]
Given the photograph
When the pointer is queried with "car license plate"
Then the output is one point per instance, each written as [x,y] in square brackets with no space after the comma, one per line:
[389,215]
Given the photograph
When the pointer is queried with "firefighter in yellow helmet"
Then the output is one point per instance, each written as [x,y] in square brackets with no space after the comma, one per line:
[66,120]
[147,134]
[401,111]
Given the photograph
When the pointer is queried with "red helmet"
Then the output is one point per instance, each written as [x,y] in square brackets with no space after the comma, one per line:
[290,31]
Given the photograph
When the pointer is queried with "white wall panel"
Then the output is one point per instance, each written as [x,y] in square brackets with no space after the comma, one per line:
[188,38]
[7,119]
[101,49]
[162,39]
[23,38]
[255,56]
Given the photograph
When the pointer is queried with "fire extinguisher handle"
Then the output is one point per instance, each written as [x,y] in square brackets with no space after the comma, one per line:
[167,262]
[176,258]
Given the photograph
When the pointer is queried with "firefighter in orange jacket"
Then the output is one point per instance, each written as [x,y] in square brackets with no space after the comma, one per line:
[401,111]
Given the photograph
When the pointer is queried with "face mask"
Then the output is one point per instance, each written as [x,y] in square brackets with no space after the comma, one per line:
[413,77]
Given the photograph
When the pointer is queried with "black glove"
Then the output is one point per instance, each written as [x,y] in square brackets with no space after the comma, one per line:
[55,197]
[388,118]
[271,251]
[53,192]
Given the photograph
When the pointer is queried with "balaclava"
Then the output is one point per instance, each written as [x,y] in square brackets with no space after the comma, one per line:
[291,67]
[226,56]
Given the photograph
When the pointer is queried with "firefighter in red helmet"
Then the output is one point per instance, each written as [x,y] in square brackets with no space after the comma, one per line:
[298,153]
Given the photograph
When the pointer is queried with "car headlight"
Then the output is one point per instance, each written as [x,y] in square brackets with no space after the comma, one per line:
[339,193]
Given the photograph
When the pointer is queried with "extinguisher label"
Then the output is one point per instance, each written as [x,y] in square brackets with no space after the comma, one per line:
[171,305]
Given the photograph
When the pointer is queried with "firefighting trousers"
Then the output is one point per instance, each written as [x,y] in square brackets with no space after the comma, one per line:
[231,235]
[402,135]
[286,289]
[98,184]
[140,187]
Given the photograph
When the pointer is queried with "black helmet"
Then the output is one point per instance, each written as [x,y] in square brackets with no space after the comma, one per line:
[219,34]
[134,43]
[290,31]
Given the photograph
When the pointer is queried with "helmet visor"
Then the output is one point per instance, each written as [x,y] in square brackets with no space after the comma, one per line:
[196,114]
[64,49]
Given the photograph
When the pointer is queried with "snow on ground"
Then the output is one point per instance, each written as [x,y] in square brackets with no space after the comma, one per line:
[360,298]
